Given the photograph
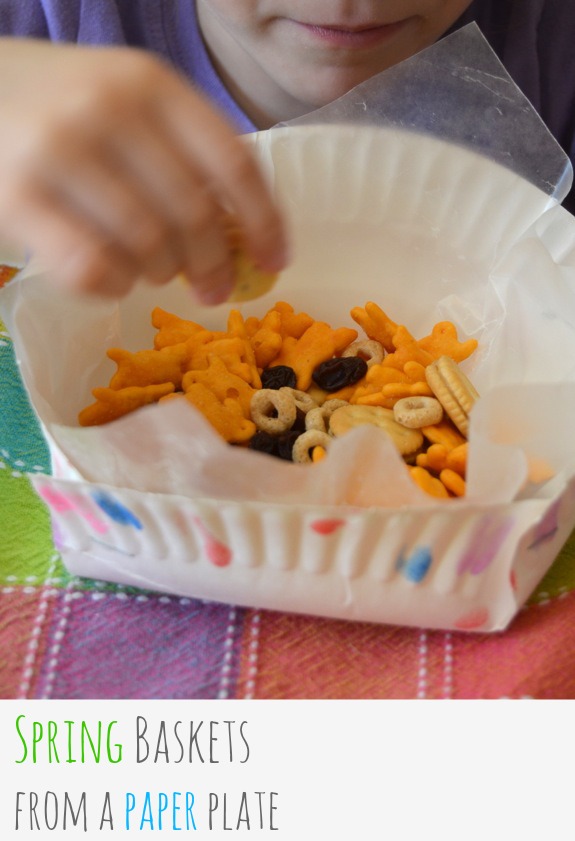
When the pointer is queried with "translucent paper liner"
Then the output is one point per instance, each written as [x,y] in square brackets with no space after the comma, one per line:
[458,91]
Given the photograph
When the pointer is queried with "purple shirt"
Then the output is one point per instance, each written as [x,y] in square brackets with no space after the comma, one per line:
[535,40]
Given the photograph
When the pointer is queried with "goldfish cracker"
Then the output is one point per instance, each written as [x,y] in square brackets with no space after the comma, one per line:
[377,398]
[414,371]
[318,453]
[456,459]
[434,458]
[453,482]
[444,433]
[428,483]
[401,390]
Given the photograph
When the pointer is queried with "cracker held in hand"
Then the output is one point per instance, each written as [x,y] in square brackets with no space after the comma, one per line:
[250,281]
[453,389]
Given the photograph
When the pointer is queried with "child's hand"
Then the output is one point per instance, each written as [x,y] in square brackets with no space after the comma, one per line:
[113,168]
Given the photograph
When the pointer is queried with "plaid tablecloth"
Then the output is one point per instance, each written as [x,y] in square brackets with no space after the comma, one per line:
[66,637]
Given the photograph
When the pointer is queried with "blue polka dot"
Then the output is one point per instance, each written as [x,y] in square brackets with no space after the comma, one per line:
[416,566]
[115,510]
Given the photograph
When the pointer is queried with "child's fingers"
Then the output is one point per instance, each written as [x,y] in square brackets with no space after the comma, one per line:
[81,256]
[189,207]
[229,166]
[110,201]
[130,171]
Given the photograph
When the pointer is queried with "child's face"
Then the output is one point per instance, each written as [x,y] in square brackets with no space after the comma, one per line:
[282,58]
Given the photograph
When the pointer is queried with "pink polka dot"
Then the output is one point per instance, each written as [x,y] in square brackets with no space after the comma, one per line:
[327,526]
[473,620]
[218,553]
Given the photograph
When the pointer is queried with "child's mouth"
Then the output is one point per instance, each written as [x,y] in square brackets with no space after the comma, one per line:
[355,38]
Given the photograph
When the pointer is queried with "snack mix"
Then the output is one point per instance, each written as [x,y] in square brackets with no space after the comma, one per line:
[287,384]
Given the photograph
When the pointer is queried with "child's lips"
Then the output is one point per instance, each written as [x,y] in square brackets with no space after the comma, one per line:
[357,37]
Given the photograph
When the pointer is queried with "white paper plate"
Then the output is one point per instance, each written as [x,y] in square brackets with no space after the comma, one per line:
[429,231]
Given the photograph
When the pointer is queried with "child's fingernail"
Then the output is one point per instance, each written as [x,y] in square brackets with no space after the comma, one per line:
[277,261]
[217,293]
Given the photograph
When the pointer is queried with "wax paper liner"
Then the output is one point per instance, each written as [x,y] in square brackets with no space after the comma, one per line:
[430,230]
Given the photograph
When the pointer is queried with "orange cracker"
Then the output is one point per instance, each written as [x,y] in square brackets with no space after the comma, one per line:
[171,329]
[318,453]
[407,350]
[377,398]
[114,403]
[437,455]
[453,482]
[415,371]
[379,375]
[457,459]
[398,390]
[444,433]
[229,350]
[376,324]
[443,341]
[292,324]
[267,340]
[222,383]
[427,482]
[236,327]
[7,273]
[319,343]
[225,416]
[250,280]
[148,367]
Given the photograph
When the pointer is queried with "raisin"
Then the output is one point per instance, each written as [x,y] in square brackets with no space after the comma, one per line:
[338,372]
[263,442]
[279,446]
[278,377]
[299,424]
[285,444]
